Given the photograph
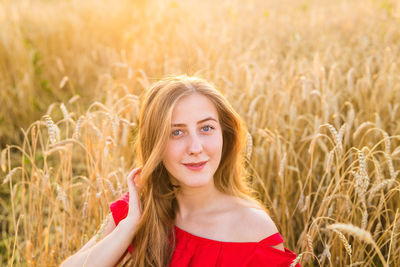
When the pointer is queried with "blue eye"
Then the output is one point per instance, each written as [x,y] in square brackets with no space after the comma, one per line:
[209,127]
[174,133]
[206,129]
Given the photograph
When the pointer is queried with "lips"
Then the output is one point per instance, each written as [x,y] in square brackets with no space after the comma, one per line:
[195,166]
[195,163]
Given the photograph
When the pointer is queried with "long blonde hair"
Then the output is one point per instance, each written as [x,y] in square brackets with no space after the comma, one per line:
[154,240]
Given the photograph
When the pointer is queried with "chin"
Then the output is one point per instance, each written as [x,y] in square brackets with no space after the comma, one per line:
[197,182]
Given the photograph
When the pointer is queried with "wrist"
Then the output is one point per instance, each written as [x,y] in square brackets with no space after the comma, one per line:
[128,226]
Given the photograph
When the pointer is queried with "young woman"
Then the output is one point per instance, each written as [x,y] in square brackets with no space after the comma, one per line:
[188,203]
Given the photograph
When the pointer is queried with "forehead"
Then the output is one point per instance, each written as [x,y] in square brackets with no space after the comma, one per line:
[194,107]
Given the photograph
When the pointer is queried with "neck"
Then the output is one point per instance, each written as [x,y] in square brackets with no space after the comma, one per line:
[199,200]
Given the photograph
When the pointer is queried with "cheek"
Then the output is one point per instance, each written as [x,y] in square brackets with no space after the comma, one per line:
[215,144]
[173,153]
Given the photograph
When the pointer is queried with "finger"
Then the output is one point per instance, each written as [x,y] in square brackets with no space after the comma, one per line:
[136,178]
[134,172]
[131,180]
[132,197]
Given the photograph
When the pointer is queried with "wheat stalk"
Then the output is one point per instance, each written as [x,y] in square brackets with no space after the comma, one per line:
[387,142]
[282,166]
[346,244]
[296,260]
[361,234]
[50,128]
[61,195]
[325,253]
[391,168]
[364,220]
[379,187]
[249,146]
[361,127]
[336,136]
[64,111]
[3,159]
[10,174]
[78,127]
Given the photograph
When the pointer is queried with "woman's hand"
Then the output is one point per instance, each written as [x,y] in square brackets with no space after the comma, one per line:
[134,212]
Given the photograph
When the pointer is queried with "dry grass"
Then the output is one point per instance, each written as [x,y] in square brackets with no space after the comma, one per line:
[316,81]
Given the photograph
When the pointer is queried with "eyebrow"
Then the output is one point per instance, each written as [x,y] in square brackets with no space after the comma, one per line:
[203,120]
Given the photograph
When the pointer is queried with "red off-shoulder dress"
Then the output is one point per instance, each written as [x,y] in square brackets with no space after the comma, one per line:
[196,251]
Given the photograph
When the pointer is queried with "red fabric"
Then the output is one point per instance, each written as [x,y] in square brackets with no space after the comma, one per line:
[196,251]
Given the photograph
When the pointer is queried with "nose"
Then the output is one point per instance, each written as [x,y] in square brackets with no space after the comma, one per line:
[195,146]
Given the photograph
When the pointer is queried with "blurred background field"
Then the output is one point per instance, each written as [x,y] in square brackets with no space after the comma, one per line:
[317,82]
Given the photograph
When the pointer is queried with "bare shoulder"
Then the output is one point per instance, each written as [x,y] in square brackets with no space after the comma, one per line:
[255,223]
[256,220]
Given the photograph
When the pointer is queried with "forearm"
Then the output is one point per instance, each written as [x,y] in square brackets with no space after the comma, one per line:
[108,251]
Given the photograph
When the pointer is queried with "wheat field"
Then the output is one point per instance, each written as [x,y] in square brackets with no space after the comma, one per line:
[317,82]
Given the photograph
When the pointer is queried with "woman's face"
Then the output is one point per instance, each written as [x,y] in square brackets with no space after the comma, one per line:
[194,147]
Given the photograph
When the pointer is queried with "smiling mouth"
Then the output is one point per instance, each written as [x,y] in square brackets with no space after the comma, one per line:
[196,166]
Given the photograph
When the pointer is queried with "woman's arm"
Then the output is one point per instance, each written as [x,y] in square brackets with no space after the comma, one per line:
[101,233]
[109,251]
